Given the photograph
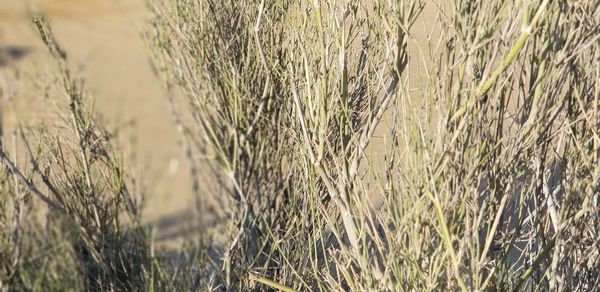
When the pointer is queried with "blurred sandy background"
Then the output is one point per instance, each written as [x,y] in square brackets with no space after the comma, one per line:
[103,42]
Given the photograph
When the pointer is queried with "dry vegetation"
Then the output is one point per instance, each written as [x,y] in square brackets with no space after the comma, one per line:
[490,179]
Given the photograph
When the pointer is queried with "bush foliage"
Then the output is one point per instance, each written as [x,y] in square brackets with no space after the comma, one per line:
[489,179]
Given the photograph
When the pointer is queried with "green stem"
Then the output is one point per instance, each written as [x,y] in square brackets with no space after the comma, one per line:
[270,283]
[445,233]
[512,54]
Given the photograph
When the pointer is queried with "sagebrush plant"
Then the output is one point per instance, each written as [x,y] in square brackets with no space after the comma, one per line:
[287,95]
[489,180]
[33,257]
[503,149]
[93,219]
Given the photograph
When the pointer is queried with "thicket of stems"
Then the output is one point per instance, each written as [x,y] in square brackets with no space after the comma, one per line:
[489,179]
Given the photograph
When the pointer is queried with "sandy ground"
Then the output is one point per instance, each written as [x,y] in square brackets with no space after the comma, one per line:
[103,42]
[102,38]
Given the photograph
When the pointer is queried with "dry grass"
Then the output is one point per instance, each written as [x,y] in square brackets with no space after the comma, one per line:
[490,179]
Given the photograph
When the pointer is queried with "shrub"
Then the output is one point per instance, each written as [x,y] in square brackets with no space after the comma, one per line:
[490,168]
[489,179]
[83,183]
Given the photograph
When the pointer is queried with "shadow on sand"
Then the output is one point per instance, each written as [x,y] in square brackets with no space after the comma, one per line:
[181,225]
[11,54]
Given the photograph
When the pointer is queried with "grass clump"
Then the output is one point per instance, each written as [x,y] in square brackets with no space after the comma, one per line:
[489,179]
[482,178]
[286,104]
[75,173]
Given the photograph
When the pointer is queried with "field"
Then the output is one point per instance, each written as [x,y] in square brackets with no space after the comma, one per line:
[299,145]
